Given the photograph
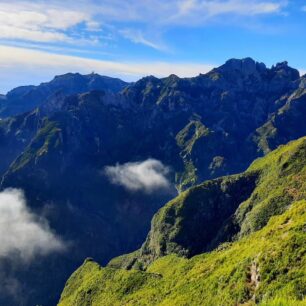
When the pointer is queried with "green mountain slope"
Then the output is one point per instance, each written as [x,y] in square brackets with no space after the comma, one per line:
[263,264]
[224,209]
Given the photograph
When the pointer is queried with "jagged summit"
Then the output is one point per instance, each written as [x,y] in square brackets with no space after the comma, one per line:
[235,74]
[284,70]
[172,77]
[246,66]
[67,75]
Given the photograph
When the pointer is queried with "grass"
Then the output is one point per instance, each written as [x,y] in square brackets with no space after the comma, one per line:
[265,265]
[49,137]
[226,208]
[221,277]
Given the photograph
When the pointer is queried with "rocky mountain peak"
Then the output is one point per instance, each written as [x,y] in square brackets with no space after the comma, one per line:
[246,66]
[283,70]
[173,77]
[67,75]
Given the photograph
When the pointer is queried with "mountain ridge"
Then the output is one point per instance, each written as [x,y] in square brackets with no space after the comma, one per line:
[200,128]
[26,98]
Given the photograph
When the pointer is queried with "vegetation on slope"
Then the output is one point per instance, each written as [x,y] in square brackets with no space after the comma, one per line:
[188,224]
[267,267]
[265,264]
[226,208]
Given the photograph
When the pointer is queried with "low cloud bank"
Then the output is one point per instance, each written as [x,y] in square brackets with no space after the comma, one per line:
[22,233]
[146,176]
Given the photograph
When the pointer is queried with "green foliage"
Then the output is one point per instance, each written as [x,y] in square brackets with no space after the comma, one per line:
[49,137]
[222,277]
[282,180]
[187,137]
[283,301]
[226,208]
[265,266]
[188,177]
[186,140]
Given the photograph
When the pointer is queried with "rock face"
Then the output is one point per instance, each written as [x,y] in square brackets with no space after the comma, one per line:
[286,121]
[201,128]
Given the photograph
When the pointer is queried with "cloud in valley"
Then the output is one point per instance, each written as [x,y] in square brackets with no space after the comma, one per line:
[22,233]
[147,176]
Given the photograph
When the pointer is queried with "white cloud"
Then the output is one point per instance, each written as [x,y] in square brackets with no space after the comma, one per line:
[22,233]
[9,32]
[19,65]
[54,21]
[147,176]
[160,11]
[33,17]
[39,22]
[209,9]
[184,12]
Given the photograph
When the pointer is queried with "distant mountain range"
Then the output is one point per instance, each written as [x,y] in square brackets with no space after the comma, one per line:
[57,140]
[26,98]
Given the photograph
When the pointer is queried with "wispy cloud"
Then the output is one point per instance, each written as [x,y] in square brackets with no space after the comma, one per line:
[197,11]
[138,37]
[9,32]
[67,23]
[18,65]
[146,176]
[161,12]
[22,233]
[39,22]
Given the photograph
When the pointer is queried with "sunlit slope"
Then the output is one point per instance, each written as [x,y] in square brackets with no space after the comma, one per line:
[264,265]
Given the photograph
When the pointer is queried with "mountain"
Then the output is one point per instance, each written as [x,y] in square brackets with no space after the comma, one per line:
[26,98]
[185,130]
[287,120]
[259,216]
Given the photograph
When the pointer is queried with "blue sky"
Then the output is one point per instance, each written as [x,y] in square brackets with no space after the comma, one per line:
[133,38]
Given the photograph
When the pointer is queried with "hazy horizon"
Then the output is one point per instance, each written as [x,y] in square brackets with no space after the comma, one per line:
[132,39]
